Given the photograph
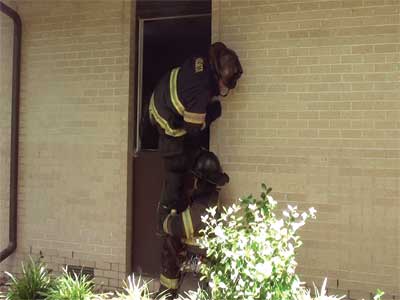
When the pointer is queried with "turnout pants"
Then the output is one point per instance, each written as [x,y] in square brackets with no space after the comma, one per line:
[172,255]
[178,155]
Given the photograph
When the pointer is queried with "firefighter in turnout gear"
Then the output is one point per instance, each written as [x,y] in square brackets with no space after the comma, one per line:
[182,229]
[182,105]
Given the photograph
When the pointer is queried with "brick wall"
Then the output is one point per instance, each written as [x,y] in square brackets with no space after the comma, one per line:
[6,56]
[74,135]
[317,116]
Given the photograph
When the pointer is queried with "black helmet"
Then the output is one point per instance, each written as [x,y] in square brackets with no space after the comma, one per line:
[225,64]
[207,167]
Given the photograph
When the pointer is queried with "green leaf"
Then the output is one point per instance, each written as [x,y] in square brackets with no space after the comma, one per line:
[378,294]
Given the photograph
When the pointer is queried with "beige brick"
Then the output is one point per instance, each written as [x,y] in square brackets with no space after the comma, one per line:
[387,48]
[308,60]
[362,49]
[341,68]
[329,115]
[346,59]
[318,124]
[278,52]
[329,133]
[308,115]
[364,68]
[330,59]
[320,68]
[375,58]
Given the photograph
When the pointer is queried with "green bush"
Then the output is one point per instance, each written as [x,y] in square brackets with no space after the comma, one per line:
[251,252]
[71,287]
[33,284]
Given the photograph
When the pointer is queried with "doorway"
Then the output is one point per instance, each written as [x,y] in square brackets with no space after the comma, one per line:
[163,43]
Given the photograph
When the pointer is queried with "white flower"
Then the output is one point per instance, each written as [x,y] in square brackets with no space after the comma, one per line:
[219,232]
[241,282]
[253,206]
[296,226]
[295,285]
[286,254]
[271,200]
[312,211]
[304,216]
[276,261]
[222,285]
[229,211]
[212,211]
[277,225]
[211,284]
[285,213]
[265,269]
[204,218]
[258,217]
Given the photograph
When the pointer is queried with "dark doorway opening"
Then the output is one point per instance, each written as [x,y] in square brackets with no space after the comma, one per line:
[167,35]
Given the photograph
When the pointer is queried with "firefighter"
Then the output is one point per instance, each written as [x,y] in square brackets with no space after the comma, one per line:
[182,105]
[182,229]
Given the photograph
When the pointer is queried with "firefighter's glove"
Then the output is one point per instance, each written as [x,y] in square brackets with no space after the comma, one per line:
[213,112]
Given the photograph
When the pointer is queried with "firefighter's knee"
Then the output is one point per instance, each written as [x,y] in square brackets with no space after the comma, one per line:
[177,164]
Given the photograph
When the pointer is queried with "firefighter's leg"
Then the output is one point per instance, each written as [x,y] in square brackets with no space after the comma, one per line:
[170,267]
[172,195]
[175,166]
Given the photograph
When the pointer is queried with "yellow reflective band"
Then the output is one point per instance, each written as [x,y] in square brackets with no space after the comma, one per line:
[191,242]
[173,89]
[162,122]
[165,224]
[194,118]
[171,283]
[187,223]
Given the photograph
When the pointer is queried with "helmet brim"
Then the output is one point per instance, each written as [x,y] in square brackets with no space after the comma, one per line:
[219,179]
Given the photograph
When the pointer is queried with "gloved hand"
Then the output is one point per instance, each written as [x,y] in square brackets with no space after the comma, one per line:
[213,112]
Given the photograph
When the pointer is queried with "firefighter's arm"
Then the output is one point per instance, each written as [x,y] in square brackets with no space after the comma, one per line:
[194,122]
[196,109]
[214,111]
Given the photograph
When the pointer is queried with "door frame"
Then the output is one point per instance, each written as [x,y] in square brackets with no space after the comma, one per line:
[135,149]
[146,10]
